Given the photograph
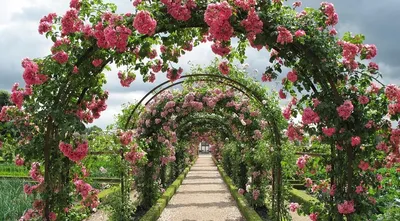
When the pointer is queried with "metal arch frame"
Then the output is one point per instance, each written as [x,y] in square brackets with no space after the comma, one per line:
[205,120]
[277,197]
[221,77]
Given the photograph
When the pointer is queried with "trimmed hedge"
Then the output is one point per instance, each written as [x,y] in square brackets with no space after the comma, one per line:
[306,201]
[155,211]
[247,211]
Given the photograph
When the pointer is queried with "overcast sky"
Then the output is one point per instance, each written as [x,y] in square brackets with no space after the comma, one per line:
[19,39]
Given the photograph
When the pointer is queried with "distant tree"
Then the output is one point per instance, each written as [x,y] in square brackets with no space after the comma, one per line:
[4,98]
[92,129]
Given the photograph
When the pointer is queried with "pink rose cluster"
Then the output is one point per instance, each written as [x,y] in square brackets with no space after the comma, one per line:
[37,176]
[329,10]
[75,4]
[38,209]
[174,74]
[245,4]
[293,207]
[220,49]
[347,207]
[156,67]
[133,156]
[126,79]
[217,17]
[224,68]
[302,161]
[355,141]
[349,54]
[94,108]
[294,133]
[144,23]
[70,22]
[46,23]
[179,10]
[19,161]
[31,73]
[17,95]
[292,76]
[329,131]
[392,92]
[256,194]
[252,24]
[345,109]
[77,154]
[88,193]
[126,137]
[284,36]
[309,116]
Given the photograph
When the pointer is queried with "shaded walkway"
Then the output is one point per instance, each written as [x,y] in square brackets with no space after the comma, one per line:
[203,195]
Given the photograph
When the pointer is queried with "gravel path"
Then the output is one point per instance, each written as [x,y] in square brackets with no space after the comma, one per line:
[203,195]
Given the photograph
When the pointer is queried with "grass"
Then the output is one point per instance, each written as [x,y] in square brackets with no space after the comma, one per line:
[13,201]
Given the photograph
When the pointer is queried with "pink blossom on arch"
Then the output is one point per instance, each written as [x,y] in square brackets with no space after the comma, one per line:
[282,95]
[382,146]
[70,22]
[75,70]
[284,36]
[19,161]
[219,49]
[294,133]
[359,189]
[313,216]
[300,33]
[329,131]
[97,62]
[363,99]
[241,191]
[345,109]
[76,154]
[293,207]
[61,57]
[217,18]
[363,165]
[223,67]
[309,182]
[17,96]
[244,4]
[296,4]
[370,51]
[256,194]
[252,23]
[302,161]
[309,116]
[333,31]
[144,23]
[373,66]
[174,74]
[287,112]
[355,141]
[75,4]
[347,207]
[46,23]
[292,76]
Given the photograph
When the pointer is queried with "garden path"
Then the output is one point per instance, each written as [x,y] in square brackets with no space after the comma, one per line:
[203,195]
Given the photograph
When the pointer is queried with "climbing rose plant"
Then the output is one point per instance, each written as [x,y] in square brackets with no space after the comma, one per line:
[63,90]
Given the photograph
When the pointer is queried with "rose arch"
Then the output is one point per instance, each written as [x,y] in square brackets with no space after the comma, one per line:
[334,88]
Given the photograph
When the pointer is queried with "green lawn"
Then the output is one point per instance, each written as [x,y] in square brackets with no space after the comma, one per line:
[13,201]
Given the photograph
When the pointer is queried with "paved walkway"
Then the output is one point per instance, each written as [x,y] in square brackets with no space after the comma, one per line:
[203,195]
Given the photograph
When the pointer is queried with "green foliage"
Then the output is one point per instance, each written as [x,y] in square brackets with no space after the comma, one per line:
[13,201]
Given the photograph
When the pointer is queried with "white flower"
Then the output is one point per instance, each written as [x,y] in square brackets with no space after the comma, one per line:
[103,170]
[243,123]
